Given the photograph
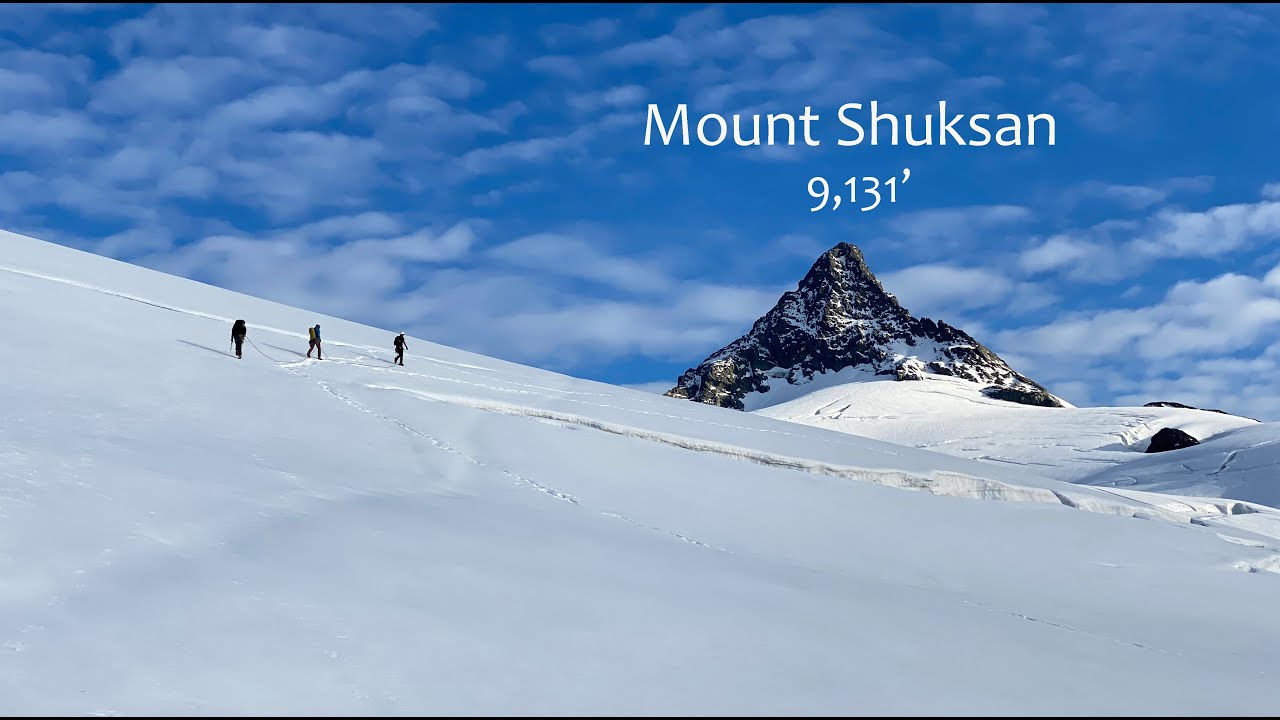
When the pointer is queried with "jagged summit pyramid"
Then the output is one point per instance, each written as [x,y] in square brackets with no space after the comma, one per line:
[839,317]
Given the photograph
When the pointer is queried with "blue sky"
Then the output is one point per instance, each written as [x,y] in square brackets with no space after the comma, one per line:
[476,175]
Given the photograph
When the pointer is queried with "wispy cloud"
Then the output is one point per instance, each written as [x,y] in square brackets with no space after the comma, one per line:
[1199,329]
[942,290]
[572,257]
[480,176]
[560,35]
[1113,250]
[938,223]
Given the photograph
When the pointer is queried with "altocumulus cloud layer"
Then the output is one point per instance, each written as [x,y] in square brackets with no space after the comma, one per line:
[479,179]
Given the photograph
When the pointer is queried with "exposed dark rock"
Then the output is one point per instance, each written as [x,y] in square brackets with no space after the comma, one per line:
[839,316]
[1170,439]
[1165,403]
[1019,395]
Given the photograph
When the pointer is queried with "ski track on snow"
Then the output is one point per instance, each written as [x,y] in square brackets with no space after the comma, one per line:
[444,446]
[1069,628]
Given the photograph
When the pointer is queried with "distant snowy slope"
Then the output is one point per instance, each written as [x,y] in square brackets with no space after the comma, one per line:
[182,532]
[1243,464]
[951,415]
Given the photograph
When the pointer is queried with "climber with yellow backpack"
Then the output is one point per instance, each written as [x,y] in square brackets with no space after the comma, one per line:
[315,341]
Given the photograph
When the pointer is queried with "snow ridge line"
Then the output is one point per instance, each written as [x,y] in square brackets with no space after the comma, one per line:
[684,418]
[521,479]
[937,482]
[436,442]
[286,333]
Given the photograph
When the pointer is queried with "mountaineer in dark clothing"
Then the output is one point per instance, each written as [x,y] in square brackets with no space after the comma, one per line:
[238,332]
[400,346]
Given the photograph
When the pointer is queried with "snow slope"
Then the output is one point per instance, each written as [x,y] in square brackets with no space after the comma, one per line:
[1243,463]
[953,416]
[184,532]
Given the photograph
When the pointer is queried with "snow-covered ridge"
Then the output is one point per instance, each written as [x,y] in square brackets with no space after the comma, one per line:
[1240,463]
[1100,446]
[840,318]
[182,532]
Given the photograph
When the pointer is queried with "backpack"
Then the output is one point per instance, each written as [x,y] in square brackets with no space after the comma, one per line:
[311,333]
[399,342]
[239,328]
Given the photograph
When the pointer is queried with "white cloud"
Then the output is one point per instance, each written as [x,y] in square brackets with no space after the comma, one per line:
[420,246]
[24,132]
[344,264]
[693,321]
[1128,43]
[1226,314]
[500,158]
[793,244]
[1213,343]
[573,257]
[562,66]
[504,301]
[136,241]
[621,96]
[957,226]
[316,33]
[25,89]
[804,55]
[1091,109]
[1271,191]
[937,288]
[1211,232]
[1057,252]
[594,31]
[148,85]
[274,104]
[1118,249]
[288,174]
[1191,184]
[1139,196]
[219,124]
[1134,196]
[926,235]
[290,46]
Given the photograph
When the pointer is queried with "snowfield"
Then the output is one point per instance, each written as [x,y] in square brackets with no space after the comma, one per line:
[183,532]
[1243,463]
[952,416]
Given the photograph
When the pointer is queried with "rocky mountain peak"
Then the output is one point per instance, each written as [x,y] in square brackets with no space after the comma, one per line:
[840,316]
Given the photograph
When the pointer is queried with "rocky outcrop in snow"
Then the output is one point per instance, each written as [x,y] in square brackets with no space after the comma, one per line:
[1170,439]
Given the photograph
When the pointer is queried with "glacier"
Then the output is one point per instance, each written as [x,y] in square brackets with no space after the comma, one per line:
[182,532]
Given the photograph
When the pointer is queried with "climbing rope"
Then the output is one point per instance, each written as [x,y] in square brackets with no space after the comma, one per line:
[255,347]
